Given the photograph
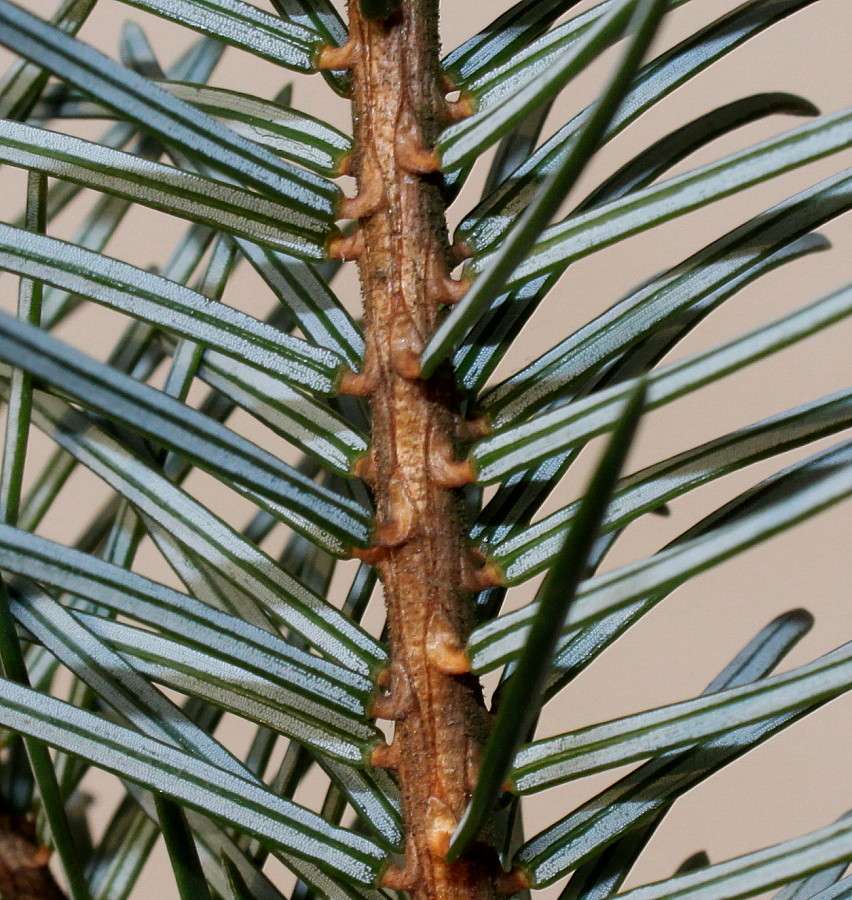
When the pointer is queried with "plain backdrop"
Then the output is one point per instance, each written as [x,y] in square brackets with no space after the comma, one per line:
[800,780]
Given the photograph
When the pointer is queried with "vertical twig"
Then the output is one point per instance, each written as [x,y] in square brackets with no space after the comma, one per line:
[419,549]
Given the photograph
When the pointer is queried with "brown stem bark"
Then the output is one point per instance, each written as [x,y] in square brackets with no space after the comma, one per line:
[419,545]
[24,872]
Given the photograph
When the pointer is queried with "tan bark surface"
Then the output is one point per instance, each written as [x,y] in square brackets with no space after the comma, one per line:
[401,246]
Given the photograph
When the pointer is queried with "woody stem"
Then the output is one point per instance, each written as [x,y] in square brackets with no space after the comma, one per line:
[420,549]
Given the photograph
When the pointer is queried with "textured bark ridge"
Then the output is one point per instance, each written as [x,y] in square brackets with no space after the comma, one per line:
[401,248]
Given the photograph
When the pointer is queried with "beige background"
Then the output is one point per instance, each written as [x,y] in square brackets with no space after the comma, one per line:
[800,780]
